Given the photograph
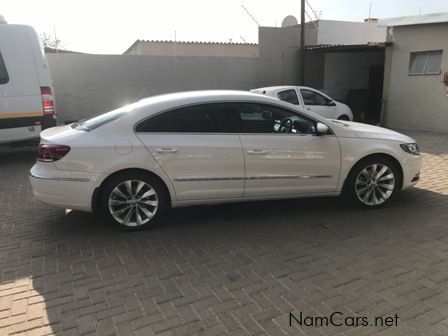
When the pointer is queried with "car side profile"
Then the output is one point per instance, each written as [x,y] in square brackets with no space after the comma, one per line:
[208,147]
[310,99]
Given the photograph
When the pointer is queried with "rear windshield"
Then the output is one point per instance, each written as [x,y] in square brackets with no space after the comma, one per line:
[102,119]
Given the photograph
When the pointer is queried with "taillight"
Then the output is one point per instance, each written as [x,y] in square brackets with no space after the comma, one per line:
[50,153]
[47,101]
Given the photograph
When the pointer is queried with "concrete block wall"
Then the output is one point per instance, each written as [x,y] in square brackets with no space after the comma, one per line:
[86,85]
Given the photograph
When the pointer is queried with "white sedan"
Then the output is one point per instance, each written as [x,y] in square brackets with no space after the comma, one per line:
[309,98]
[205,147]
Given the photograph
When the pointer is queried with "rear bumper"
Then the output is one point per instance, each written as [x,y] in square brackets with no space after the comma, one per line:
[69,190]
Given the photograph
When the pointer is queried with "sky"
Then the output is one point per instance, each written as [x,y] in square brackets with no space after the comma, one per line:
[110,27]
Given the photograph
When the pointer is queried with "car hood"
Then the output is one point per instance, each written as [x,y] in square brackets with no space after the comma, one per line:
[367,131]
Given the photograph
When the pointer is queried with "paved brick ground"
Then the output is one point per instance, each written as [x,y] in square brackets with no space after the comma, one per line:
[226,270]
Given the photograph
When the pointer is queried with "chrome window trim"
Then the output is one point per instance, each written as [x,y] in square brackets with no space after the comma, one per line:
[235,134]
[230,102]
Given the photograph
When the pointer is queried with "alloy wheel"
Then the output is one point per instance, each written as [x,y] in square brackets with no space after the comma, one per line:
[375,184]
[133,203]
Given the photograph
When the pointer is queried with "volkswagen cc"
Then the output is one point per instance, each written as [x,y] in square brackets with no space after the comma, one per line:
[204,147]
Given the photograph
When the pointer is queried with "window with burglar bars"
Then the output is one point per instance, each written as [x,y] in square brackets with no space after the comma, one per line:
[425,62]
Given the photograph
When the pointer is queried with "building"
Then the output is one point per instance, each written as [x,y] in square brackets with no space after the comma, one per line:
[389,71]
[415,95]
[185,48]
[343,59]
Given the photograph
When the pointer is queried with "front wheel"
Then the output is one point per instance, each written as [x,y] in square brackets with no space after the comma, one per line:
[134,200]
[373,182]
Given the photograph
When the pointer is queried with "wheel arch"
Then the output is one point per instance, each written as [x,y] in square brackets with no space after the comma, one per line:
[98,190]
[376,155]
[344,116]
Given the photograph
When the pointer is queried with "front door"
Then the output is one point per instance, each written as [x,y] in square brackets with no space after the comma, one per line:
[283,154]
[317,103]
[196,150]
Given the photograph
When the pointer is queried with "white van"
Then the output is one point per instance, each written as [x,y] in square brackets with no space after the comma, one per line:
[26,91]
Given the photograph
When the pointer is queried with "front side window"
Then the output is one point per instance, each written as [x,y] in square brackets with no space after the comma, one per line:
[289,96]
[261,118]
[425,63]
[313,98]
[4,78]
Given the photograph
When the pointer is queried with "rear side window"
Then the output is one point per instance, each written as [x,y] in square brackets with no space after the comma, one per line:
[204,118]
[289,96]
[4,78]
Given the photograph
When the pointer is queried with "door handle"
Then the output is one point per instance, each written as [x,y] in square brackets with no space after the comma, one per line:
[166,150]
[256,151]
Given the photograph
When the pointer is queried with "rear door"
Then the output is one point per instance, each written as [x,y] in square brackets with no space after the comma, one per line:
[195,146]
[316,102]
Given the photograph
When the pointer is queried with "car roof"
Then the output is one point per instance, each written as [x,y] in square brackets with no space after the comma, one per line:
[271,89]
[180,98]
[155,104]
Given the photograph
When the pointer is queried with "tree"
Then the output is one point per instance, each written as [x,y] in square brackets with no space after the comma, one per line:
[50,41]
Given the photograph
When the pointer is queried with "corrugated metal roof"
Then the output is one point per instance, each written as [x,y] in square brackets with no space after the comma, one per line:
[347,47]
[195,42]
[414,20]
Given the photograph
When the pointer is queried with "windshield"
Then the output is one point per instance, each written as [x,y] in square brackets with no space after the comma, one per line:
[102,119]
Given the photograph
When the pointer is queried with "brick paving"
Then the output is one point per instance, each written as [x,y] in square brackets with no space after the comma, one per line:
[236,269]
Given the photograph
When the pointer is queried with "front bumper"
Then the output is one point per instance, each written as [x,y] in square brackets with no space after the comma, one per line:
[62,189]
[411,170]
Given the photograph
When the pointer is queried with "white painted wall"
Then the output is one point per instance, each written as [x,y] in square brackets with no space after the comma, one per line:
[344,32]
[416,102]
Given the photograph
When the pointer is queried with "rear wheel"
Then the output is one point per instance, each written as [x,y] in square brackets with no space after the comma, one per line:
[134,200]
[373,182]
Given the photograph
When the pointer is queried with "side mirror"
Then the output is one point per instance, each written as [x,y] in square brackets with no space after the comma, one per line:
[321,129]
[331,103]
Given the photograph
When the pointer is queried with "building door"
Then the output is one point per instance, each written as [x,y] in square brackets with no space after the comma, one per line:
[376,79]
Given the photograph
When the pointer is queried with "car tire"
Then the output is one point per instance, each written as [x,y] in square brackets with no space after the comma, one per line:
[344,117]
[372,182]
[134,200]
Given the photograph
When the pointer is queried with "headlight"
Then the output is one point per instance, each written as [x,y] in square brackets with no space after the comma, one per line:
[411,148]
